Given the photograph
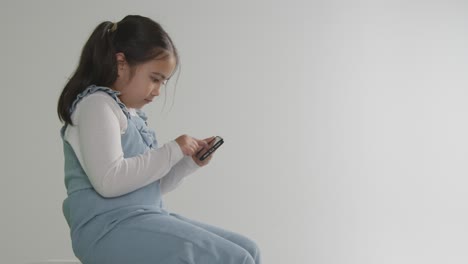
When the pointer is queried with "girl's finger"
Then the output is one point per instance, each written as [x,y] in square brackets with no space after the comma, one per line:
[202,142]
[208,140]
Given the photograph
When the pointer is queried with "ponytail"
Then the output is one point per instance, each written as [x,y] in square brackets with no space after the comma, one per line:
[97,65]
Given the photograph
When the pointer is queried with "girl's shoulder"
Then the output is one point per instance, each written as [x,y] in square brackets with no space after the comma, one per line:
[98,102]
[106,92]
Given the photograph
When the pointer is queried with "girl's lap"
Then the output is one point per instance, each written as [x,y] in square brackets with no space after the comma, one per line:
[161,238]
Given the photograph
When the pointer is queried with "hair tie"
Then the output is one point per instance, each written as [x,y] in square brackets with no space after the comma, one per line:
[113,28]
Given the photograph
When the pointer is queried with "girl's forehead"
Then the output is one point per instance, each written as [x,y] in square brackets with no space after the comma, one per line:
[165,66]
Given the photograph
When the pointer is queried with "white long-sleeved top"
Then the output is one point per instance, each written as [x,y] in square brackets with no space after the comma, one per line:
[96,140]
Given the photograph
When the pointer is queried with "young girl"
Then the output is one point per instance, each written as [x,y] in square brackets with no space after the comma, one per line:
[115,172]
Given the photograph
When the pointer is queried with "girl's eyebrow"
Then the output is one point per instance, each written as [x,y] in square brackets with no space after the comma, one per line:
[160,74]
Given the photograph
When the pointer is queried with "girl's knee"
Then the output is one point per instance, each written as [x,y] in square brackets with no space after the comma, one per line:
[236,254]
[253,249]
[246,258]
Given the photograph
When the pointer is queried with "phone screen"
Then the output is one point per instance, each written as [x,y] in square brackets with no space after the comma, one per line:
[218,141]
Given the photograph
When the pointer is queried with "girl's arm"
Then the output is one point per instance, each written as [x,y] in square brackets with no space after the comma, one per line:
[177,174]
[98,121]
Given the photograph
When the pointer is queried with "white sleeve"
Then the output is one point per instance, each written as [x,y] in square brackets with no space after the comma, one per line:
[102,158]
[176,175]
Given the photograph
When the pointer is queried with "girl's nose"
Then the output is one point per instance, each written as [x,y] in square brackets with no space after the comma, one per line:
[155,91]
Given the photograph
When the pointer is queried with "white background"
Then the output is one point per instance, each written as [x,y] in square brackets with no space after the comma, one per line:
[344,122]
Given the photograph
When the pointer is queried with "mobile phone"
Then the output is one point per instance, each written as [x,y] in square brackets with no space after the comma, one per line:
[218,141]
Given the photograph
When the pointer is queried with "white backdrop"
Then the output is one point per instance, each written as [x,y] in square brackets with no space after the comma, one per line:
[344,121]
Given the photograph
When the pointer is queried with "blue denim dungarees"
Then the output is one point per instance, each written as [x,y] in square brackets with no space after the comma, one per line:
[135,228]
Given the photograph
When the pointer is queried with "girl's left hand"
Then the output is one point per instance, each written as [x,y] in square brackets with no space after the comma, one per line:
[196,157]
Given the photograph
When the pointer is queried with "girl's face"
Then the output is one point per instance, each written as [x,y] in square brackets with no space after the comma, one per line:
[140,89]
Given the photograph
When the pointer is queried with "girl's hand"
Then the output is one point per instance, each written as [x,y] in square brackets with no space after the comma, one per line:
[202,150]
[190,145]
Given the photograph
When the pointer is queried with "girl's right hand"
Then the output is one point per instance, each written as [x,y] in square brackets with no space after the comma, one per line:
[190,145]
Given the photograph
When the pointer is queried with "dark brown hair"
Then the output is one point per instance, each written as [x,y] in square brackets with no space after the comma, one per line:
[139,38]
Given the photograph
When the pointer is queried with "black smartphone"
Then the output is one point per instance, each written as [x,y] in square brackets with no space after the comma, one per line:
[218,141]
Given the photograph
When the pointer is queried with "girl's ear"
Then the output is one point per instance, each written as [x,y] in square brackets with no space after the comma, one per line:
[121,64]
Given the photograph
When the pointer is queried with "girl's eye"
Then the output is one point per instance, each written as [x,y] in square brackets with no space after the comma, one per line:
[159,81]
